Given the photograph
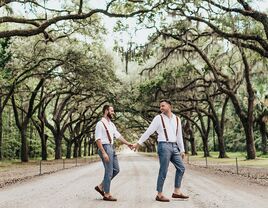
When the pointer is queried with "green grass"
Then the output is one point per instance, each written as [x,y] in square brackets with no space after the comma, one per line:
[6,164]
[261,162]
[11,164]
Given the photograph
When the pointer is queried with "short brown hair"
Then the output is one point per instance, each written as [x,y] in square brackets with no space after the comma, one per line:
[165,100]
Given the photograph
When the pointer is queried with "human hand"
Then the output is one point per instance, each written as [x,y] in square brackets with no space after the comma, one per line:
[106,157]
[182,155]
[130,146]
[136,146]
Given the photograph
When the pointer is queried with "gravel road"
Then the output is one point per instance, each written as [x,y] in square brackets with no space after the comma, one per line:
[134,187]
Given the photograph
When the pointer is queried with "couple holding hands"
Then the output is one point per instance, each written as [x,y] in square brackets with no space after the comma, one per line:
[170,148]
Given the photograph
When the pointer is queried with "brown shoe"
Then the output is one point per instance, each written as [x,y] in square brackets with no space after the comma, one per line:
[109,198]
[161,199]
[99,190]
[179,196]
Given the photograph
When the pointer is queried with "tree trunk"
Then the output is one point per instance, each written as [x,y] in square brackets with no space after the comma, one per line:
[75,150]
[126,59]
[219,132]
[1,127]
[222,152]
[22,129]
[58,140]
[44,146]
[94,149]
[214,141]
[69,149]
[24,146]
[80,148]
[85,147]
[248,122]
[204,131]
[205,146]
[250,146]
[186,144]
[40,127]
[192,142]
[251,151]
[31,151]
[44,138]
[193,150]
[22,123]
[263,131]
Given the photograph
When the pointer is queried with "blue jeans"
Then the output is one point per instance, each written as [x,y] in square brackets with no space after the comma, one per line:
[111,167]
[169,152]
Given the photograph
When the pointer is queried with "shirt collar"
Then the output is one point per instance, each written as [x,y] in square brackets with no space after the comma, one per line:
[172,115]
[105,120]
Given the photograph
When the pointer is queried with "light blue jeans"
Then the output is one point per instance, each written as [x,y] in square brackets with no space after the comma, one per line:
[169,152]
[111,167]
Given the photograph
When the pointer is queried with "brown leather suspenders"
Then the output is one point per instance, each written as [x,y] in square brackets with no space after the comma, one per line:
[164,127]
[107,132]
[177,120]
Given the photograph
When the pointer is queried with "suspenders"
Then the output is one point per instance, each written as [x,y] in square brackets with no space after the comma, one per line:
[164,127]
[107,132]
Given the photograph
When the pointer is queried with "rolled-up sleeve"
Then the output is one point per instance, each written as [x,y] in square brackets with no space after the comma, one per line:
[179,137]
[151,129]
[98,131]
[116,133]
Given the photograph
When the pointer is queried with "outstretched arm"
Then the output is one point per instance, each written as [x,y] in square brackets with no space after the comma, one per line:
[122,139]
[151,129]
[180,140]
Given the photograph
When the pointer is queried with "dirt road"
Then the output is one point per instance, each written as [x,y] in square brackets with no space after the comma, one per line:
[134,187]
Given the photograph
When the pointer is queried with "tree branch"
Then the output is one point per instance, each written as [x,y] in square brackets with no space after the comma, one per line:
[41,28]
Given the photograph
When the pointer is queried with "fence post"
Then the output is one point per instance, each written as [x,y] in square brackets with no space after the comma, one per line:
[188,158]
[236,162]
[63,162]
[40,167]
[75,161]
[206,161]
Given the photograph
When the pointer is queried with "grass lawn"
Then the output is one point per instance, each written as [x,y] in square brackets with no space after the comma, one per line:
[261,162]
[16,163]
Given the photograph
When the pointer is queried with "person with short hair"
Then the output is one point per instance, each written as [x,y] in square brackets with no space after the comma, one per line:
[170,148]
[105,133]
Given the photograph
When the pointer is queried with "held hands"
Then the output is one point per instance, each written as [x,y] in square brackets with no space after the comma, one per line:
[130,146]
[136,146]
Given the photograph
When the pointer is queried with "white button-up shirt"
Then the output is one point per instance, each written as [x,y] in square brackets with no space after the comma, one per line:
[101,133]
[171,127]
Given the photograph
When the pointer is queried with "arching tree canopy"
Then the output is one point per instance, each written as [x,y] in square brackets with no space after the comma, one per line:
[208,57]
